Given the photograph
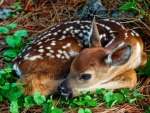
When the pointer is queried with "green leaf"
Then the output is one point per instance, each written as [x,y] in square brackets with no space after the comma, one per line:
[29,102]
[12,26]
[87,110]
[46,108]
[6,86]
[13,41]
[125,91]
[7,58]
[21,33]
[127,5]
[132,100]
[81,110]
[138,95]
[146,70]
[113,99]
[38,98]
[17,6]
[101,91]
[14,93]
[148,110]
[144,7]
[92,103]
[1,98]
[16,84]
[56,110]
[14,106]
[80,102]
[8,70]
[3,30]
[10,53]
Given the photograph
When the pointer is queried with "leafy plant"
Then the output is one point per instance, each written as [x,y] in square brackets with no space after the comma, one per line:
[148,110]
[146,70]
[134,6]
[86,110]
[3,30]
[14,41]
[14,107]
[17,6]
[49,106]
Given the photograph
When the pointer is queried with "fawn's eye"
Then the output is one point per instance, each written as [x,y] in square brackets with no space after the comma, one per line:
[85,76]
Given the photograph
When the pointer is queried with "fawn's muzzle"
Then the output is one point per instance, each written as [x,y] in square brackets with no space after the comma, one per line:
[64,90]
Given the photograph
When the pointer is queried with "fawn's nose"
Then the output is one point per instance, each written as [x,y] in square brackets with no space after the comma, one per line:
[64,90]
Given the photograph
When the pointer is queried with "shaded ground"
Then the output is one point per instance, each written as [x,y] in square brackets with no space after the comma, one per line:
[42,14]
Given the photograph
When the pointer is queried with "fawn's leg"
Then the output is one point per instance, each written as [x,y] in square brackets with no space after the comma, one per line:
[41,83]
[126,80]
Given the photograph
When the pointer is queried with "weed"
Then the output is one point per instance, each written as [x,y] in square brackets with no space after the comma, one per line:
[146,70]
[134,6]
[14,41]
[17,6]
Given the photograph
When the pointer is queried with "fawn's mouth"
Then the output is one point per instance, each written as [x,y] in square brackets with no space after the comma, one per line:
[66,95]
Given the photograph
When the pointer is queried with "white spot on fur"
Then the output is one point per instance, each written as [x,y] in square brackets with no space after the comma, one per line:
[58,55]
[132,34]
[60,51]
[26,57]
[67,56]
[52,56]
[63,37]
[110,42]
[108,28]
[52,51]
[41,47]
[55,33]
[64,32]
[85,31]
[76,31]
[71,27]
[53,43]
[106,19]
[62,57]
[35,57]
[80,34]
[39,43]
[29,48]
[48,47]
[48,54]
[67,29]
[126,35]
[73,53]
[41,50]
[121,44]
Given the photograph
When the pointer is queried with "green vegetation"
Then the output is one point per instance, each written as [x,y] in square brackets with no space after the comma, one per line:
[146,70]
[15,41]
[134,6]
[17,6]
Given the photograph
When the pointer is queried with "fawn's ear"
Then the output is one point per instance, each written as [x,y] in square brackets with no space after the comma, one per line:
[95,39]
[119,55]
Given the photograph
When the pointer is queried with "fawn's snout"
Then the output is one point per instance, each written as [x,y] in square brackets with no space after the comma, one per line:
[64,90]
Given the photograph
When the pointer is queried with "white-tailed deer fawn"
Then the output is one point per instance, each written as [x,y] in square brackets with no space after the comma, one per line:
[105,55]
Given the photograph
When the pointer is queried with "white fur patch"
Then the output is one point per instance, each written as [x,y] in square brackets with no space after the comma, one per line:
[15,67]
[35,57]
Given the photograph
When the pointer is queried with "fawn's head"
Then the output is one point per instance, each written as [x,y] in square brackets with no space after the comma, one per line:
[93,66]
